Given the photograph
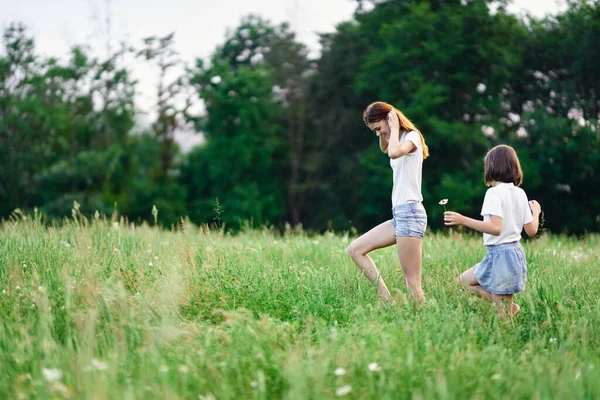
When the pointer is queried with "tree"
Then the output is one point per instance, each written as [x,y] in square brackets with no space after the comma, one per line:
[240,144]
[555,97]
[257,43]
[172,99]
[49,115]
[440,62]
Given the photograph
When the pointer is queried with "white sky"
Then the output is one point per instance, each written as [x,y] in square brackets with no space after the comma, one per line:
[199,25]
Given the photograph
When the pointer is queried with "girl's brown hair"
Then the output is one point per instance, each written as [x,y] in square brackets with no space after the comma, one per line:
[379,111]
[502,165]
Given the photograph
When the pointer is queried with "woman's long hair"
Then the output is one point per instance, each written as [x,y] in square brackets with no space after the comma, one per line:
[379,111]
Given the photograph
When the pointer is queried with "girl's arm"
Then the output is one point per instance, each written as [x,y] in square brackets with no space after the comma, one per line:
[492,227]
[395,149]
[532,227]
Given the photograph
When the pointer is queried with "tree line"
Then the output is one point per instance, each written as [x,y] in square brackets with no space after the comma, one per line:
[284,137]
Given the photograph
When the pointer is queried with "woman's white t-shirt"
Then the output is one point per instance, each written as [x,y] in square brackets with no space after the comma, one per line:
[511,204]
[407,172]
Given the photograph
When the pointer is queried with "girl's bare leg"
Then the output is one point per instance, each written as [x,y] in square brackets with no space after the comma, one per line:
[468,280]
[382,235]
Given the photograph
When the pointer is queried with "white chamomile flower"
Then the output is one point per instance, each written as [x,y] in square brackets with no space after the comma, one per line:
[344,390]
[374,367]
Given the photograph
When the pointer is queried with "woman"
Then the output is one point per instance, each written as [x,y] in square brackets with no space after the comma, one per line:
[406,148]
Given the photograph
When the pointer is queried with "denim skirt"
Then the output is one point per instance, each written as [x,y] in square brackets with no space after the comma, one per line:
[503,270]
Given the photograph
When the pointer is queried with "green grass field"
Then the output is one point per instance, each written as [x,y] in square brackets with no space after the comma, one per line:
[107,311]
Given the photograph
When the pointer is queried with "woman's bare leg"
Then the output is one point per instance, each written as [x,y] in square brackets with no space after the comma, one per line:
[382,235]
[409,252]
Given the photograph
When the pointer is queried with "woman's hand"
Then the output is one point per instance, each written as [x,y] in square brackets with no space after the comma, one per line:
[393,122]
[453,218]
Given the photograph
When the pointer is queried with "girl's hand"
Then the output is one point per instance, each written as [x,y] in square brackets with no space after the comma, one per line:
[535,207]
[453,218]
[393,121]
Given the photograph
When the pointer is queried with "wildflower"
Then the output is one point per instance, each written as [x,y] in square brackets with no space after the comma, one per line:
[443,202]
[163,368]
[183,369]
[374,367]
[552,340]
[99,364]
[62,389]
[52,374]
[495,377]
[150,264]
[344,390]
[340,371]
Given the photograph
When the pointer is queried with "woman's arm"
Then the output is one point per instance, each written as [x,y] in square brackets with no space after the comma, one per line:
[395,148]
[492,227]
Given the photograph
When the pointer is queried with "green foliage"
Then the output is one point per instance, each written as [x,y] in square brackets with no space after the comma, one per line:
[236,160]
[254,93]
[57,143]
[144,312]
[559,160]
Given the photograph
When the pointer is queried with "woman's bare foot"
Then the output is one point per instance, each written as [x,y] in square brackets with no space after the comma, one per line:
[387,301]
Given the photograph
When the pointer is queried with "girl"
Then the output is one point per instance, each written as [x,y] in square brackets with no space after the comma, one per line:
[406,148]
[505,211]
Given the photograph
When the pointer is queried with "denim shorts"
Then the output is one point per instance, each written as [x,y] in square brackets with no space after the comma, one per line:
[503,270]
[409,219]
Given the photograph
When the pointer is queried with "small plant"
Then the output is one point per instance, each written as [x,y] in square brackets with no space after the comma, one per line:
[155,214]
[218,210]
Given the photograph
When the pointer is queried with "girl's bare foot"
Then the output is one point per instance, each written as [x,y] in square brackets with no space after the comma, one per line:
[515,309]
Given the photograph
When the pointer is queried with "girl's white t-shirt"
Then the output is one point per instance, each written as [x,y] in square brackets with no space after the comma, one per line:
[511,204]
[407,172]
